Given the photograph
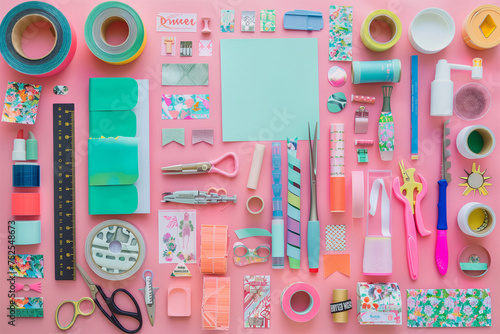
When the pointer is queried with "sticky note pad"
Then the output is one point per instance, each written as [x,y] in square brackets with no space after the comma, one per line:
[269,88]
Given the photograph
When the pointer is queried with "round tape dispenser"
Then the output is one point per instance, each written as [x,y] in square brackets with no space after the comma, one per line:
[115,250]
[474,260]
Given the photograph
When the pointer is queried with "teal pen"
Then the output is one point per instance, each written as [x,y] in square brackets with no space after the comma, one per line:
[313,230]
[278,224]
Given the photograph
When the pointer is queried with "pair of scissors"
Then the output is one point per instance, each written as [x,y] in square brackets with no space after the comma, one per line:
[110,303]
[313,230]
[77,311]
[203,167]
[413,214]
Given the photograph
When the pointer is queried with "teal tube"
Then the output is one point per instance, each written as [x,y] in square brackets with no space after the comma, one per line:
[376,71]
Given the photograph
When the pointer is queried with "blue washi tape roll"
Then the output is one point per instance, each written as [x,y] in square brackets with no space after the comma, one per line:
[13,27]
[25,175]
[26,232]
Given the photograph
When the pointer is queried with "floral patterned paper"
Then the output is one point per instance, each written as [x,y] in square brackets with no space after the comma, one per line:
[21,103]
[177,230]
[185,106]
[379,303]
[267,20]
[27,307]
[340,33]
[386,132]
[449,307]
[26,265]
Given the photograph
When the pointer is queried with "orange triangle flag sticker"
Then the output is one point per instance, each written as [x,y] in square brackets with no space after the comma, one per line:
[337,262]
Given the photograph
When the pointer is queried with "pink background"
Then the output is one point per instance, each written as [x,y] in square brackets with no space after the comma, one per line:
[148,66]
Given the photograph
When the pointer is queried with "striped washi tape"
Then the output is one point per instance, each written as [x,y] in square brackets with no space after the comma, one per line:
[97,23]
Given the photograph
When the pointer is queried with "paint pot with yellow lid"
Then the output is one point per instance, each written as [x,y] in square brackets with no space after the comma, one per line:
[480,29]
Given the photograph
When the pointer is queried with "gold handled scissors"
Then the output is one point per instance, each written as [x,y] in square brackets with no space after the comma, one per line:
[77,311]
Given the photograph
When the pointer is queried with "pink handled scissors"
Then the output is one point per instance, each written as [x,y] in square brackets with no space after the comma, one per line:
[204,167]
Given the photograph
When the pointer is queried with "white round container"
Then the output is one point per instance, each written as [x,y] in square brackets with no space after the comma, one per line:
[467,136]
[431,30]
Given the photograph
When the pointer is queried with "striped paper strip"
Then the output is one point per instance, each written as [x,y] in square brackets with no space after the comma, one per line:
[293,208]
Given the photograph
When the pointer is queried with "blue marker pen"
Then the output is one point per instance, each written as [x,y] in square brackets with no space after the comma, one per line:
[278,225]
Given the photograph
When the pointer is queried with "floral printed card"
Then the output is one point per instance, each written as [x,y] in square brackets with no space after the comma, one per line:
[26,265]
[177,233]
[340,33]
[27,307]
[379,304]
[185,106]
[21,103]
[227,20]
[449,307]
[267,20]
[257,301]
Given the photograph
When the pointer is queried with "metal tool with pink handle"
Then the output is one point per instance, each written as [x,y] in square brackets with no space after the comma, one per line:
[203,167]
[413,215]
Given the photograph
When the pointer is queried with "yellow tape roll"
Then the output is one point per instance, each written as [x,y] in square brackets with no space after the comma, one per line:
[480,29]
[388,17]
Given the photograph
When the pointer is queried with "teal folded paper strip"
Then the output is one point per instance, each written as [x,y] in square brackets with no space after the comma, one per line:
[111,94]
[118,157]
[172,135]
[112,124]
[113,161]
[184,75]
[449,307]
[113,200]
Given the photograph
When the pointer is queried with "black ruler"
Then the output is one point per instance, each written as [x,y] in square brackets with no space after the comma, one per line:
[64,191]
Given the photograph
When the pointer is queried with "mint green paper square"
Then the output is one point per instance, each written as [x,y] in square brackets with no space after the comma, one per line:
[112,124]
[269,88]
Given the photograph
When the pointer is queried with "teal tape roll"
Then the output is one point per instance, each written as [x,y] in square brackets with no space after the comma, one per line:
[11,32]
[27,232]
[98,21]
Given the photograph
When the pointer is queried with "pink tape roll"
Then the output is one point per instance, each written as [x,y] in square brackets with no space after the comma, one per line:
[358,194]
[286,297]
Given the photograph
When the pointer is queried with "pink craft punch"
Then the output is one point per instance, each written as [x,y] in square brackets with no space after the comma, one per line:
[413,214]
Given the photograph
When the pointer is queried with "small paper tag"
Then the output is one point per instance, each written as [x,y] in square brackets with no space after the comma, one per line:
[343,306]
[181,271]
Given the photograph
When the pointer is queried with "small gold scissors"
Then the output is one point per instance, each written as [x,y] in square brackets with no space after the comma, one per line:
[77,312]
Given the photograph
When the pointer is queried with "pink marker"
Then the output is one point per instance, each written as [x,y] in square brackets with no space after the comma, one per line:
[362,99]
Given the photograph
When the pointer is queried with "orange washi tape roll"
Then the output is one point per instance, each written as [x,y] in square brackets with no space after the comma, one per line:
[214,249]
[480,29]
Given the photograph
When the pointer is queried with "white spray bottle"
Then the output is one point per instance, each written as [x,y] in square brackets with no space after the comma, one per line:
[442,86]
